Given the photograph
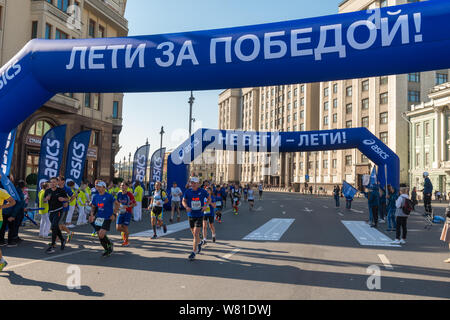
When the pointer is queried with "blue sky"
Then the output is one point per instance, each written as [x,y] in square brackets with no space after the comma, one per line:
[145,113]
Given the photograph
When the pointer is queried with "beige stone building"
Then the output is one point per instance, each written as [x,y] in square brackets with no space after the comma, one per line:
[23,20]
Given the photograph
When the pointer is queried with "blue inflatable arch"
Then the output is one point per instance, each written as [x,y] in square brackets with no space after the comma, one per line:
[273,142]
[391,40]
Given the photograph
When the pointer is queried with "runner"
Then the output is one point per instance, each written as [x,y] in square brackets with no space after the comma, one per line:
[72,204]
[219,205]
[176,194]
[208,217]
[236,198]
[94,191]
[260,189]
[81,204]
[223,194]
[245,192]
[127,203]
[10,202]
[104,211]
[62,225]
[157,201]
[194,202]
[251,198]
[55,197]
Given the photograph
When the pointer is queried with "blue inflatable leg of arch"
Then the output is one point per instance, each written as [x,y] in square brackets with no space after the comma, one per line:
[391,40]
[274,142]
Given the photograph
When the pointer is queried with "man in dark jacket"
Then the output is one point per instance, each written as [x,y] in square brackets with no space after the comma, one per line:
[427,192]
[373,198]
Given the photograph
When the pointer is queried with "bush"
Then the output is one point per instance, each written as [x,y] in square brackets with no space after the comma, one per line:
[31,179]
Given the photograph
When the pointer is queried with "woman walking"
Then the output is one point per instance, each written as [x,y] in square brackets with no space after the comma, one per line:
[401,216]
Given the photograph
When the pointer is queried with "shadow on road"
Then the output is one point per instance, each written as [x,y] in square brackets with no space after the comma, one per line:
[19,280]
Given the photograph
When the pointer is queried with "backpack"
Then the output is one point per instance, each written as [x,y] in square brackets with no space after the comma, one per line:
[407,206]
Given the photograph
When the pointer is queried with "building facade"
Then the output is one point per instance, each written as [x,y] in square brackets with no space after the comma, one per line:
[23,20]
[430,140]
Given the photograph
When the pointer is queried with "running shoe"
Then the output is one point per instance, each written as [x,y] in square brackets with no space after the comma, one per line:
[165,228]
[396,241]
[50,250]
[63,244]
[70,236]
[402,241]
[125,244]
[94,234]
[199,247]
[220,221]
[171,220]
[3,265]
[214,239]
[203,242]
[192,256]
[12,244]
[111,248]
[106,253]
[154,236]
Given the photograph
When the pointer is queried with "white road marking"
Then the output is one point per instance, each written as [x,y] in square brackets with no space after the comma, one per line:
[284,212]
[386,262]
[281,206]
[308,210]
[45,259]
[325,207]
[340,213]
[367,236]
[272,230]
[228,256]
[358,211]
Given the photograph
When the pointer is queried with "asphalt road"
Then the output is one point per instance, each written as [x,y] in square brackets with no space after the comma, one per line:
[317,257]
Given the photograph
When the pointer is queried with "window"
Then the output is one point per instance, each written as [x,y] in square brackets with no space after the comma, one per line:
[413,96]
[427,129]
[441,78]
[301,165]
[39,128]
[34,28]
[325,106]
[383,3]
[302,114]
[349,91]
[417,130]
[302,127]
[417,159]
[295,92]
[348,108]
[302,102]
[62,5]
[348,160]
[289,119]
[383,80]
[61,35]
[325,92]
[365,85]
[115,114]
[334,163]
[335,103]
[295,127]
[289,107]
[384,98]
[295,104]
[48,31]
[383,118]
[364,159]
[334,117]
[427,159]
[335,88]
[325,164]
[87,100]
[348,124]
[295,116]
[414,77]
[91,28]
[302,88]
[365,104]
[95,138]
[365,122]
[325,120]
[384,137]
[101,32]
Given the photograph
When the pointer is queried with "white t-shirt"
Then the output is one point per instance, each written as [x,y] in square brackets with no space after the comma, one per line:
[250,194]
[260,187]
[175,193]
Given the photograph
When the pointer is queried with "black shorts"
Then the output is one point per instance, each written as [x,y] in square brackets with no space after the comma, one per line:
[209,218]
[105,225]
[251,200]
[196,222]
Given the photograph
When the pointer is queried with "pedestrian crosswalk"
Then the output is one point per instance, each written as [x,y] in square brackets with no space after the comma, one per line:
[273,230]
[367,236]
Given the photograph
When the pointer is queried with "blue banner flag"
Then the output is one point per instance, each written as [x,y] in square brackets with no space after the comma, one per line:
[51,154]
[8,153]
[9,187]
[373,182]
[156,165]
[348,191]
[140,163]
[76,157]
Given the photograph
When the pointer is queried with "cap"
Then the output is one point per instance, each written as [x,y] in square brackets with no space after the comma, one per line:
[195,179]
[101,184]
[426,174]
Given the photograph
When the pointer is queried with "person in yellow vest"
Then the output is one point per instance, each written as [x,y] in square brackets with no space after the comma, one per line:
[138,195]
[45,225]
[88,194]
[10,202]
[116,190]
[81,205]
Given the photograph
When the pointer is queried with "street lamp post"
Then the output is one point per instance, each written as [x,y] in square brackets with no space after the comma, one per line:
[160,151]
[124,167]
[120,168]
[129,166]
[191,103]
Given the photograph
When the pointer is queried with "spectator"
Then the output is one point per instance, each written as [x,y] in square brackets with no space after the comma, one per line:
[45,221]
[382,208]
[19,209]
[401,217]
[445,235]
[336,192]
[427,192]
[414,198]
[374,203]
[392,198]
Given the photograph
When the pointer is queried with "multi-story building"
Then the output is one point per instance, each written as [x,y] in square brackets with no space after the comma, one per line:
[23,20]
[430,140]
[204,166]
[275,108]
[376,103]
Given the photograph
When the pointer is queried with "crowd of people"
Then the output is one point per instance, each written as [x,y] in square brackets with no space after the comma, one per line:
[100,205]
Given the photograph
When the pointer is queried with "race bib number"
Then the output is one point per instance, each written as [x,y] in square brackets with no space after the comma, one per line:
[196,205]
[158,203]
[99,222]
[208,210]
[218,203]
[235,199]
[123,209]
